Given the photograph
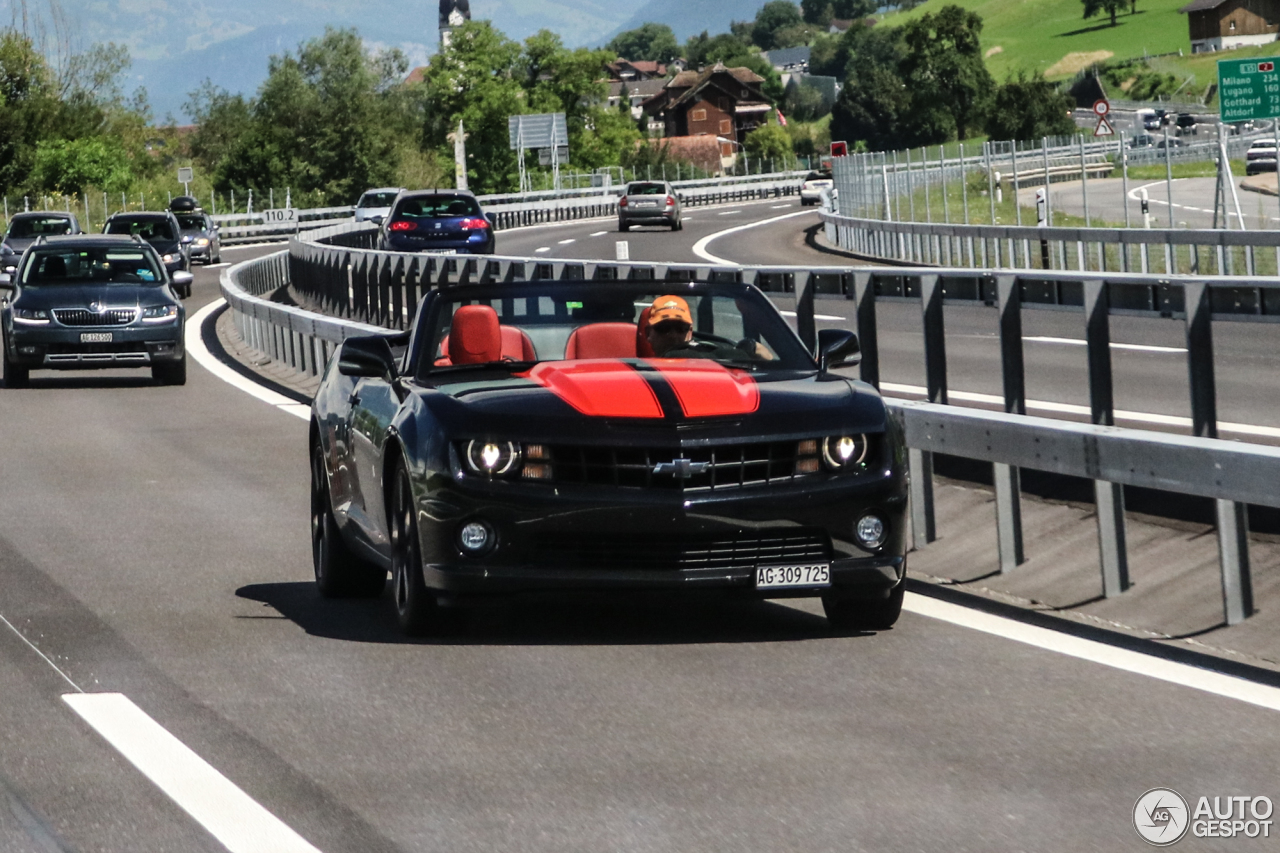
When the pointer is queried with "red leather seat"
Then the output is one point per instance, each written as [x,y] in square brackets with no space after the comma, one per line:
[475,336]
[602,340]
[644,349]
[516,345]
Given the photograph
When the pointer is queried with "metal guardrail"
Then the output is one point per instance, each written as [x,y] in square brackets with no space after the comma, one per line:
[513,210]
[363,292]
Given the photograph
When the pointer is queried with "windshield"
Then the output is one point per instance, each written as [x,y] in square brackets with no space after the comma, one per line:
[147,229]
[97,265]
[647,189]
[732,324]
[38,226]
[191,221]
[376,199]
[437,207]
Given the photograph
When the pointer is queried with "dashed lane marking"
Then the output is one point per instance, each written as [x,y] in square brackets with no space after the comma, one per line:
[567,242]
[598,233]
[1075,342]
[543,249]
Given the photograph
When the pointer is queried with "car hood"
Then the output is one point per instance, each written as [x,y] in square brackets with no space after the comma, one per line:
[683,398]
[19,244]
[85,295]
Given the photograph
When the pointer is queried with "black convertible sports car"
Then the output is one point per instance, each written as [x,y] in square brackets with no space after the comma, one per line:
[549,436]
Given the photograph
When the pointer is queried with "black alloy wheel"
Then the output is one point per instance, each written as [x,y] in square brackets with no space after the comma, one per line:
[339,573]
[15,375]
[417,610]
[862,614]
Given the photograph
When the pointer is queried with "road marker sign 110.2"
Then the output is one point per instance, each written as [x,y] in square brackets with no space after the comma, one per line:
[1248,89]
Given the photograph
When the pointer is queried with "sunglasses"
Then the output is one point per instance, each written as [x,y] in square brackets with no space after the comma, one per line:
[671,327]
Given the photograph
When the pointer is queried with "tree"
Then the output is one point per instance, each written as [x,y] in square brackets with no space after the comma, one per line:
[944,66]
[73,166]
[770,142]
[655,42]
[797,35]
[1093,8]
[773,16]
[816,12]
[703,49]
[1029,107]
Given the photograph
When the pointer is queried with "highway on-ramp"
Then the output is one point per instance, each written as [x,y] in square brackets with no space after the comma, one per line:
[154,544]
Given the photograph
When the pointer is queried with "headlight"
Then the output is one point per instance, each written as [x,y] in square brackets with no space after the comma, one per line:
[202,241]
[843,451]
[492,458]
[168,259]
[31,317]
[159,314]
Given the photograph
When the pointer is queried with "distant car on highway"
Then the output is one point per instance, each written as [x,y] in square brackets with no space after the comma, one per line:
[199,231]
[25,228]
[650,203]
[1142,140]
[375,204]
[162,231]
[89,302]
[813,185]
[553,437]
[437,221]
[1186,124]
[1261,157]
[1172,142]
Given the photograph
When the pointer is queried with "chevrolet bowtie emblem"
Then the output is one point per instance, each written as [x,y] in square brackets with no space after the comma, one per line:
[681,468]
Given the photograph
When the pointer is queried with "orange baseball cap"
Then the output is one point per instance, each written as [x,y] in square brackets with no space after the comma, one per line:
[670,308]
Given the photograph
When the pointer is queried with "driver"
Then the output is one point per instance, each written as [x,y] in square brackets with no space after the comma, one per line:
[670,334]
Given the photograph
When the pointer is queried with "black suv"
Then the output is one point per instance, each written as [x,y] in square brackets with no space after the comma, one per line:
[82,302]
[162,231]
[199,232]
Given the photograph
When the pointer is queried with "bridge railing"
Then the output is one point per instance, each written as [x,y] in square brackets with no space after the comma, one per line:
[355,291]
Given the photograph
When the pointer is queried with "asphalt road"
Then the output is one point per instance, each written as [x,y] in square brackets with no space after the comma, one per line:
[153,543]
[1192,203]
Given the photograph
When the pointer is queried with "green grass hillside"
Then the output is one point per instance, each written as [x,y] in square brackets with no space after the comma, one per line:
[1052,36]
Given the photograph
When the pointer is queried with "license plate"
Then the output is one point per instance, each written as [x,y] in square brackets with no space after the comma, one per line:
[95,337]
[646,204]
[782,577]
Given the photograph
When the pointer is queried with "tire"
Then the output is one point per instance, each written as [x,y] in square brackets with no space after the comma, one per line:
[170,372]
[417,610]
[339,573]
[677,225]
[862,614]
[15,375]
[624,227]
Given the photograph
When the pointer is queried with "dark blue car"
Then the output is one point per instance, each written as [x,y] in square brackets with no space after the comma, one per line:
[447,221]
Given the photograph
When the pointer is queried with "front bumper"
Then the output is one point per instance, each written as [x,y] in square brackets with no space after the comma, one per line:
[599,539]
[61,348]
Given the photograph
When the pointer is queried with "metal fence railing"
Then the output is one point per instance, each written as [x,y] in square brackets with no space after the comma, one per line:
[355,291]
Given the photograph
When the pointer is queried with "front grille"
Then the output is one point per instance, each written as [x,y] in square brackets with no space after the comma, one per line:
[709,468]
[109,317]
[666,551]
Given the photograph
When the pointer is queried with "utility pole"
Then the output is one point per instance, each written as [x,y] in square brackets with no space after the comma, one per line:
[459,140]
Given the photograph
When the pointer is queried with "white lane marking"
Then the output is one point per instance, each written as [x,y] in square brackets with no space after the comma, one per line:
[700,247]
[217,266]
[543,249]
[195,346]
[1074,342]
[728,213]
[228,813]
[832,317]
[1072,409]
[684,218]
[239,246]
[1151,197]
[567,242]
[1126,660]
[598,233]
[779,206]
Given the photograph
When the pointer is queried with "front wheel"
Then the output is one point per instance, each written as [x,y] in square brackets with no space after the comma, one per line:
[862,614]
[339,573]
[417,610]
[15,375]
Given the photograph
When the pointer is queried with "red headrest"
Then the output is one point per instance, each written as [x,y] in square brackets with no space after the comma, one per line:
[644,349]
[474,336]
[602,340]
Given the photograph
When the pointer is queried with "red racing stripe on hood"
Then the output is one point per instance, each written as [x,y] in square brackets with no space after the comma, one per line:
[603,388]
[708,389]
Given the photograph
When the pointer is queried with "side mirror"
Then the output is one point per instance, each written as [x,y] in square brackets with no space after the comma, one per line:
[376,219]
[6,283]
[367,356]
[838,348]
[182,281]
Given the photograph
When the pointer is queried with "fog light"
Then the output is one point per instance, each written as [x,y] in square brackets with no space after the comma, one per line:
[870,531]
[475,537]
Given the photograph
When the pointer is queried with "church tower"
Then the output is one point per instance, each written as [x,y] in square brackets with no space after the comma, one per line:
[453,14]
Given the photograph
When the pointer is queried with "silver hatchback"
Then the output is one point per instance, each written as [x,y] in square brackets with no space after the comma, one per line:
[649,203]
